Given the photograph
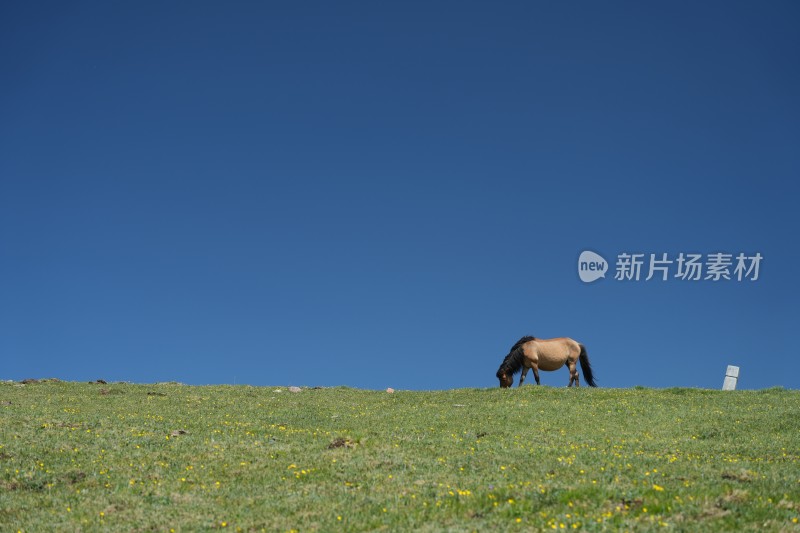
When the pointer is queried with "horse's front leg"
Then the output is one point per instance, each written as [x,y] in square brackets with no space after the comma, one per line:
[536,374]
[522,376]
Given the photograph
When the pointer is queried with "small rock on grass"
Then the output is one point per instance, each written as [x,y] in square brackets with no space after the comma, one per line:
[342,443]
[390,390]
[294,389]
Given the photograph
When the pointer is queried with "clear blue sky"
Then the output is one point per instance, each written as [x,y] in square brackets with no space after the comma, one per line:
[391,194]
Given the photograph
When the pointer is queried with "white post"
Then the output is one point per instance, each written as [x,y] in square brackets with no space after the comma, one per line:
[731,377]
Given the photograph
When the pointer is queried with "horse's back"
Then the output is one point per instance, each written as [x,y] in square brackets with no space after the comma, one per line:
[553,353]
[564,342]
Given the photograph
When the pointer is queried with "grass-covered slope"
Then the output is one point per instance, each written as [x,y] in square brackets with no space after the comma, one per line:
[121,457]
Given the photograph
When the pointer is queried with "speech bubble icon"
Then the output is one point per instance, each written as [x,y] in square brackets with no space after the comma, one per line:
[591,266]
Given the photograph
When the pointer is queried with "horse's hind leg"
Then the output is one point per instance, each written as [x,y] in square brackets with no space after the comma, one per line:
[536,374]
[573,375]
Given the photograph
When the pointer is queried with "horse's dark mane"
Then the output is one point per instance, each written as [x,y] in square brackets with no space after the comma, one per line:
[522,341]
[513,361]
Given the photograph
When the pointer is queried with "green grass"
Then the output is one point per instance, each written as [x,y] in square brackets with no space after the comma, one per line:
[94,457]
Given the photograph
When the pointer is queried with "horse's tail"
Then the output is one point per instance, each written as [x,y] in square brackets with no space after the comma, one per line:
[586,367]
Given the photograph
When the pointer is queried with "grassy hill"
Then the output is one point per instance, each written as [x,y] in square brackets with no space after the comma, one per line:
[122,457]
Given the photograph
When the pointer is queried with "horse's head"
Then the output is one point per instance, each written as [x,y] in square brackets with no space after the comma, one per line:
[506,380]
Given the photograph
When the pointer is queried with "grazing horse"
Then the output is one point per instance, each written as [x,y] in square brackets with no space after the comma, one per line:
[545,354]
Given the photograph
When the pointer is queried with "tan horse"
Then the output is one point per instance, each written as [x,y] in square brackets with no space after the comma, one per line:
[545,354]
